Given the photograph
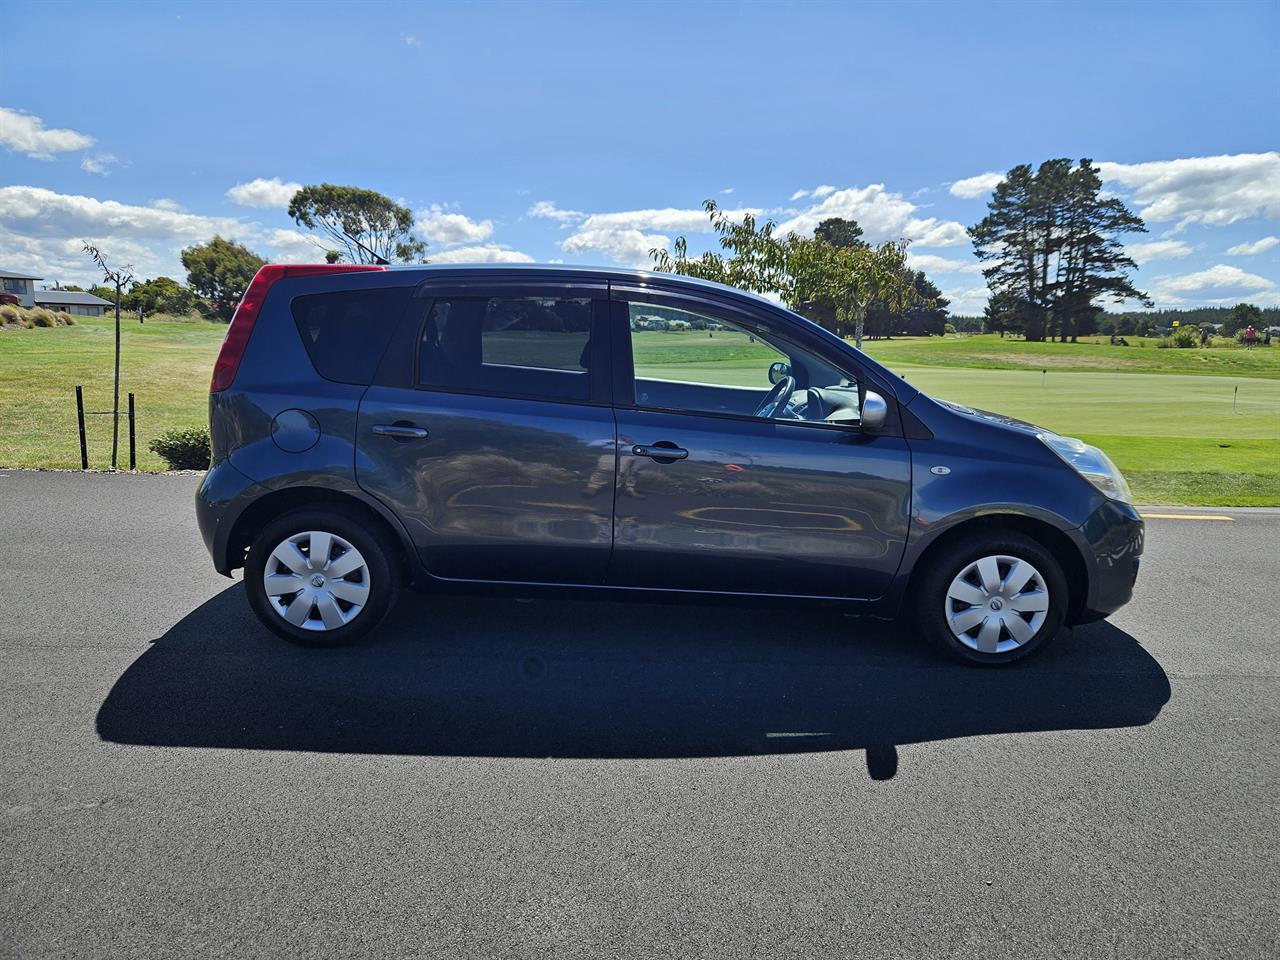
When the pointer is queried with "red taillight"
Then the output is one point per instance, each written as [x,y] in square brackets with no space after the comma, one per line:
[237,338]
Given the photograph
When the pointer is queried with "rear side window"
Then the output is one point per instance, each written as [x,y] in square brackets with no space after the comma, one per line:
[524,346]
[346,333]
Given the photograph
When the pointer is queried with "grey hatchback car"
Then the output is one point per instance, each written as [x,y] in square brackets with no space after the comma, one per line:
[550,427]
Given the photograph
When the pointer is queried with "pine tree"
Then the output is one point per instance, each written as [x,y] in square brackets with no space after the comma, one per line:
[1054,248]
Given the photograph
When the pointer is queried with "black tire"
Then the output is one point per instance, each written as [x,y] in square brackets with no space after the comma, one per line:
[374,545]
[928,594]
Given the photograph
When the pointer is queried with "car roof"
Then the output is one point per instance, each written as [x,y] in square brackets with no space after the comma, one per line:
[576,272]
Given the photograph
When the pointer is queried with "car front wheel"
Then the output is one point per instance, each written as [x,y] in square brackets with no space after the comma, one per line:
[992,599]
[320,577]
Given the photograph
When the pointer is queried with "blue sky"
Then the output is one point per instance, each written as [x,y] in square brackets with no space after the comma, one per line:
[590,132]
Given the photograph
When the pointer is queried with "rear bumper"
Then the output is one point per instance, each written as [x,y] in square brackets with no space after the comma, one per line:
[222,495]
[1111,542]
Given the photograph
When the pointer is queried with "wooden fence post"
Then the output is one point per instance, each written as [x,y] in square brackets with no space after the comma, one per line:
[84,449]
[133,457]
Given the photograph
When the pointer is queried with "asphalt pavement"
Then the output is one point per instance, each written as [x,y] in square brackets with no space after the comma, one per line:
[552,778]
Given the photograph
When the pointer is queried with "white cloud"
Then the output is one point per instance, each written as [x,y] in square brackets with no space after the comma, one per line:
[627,236]
[43,231]
[882,215]
[40,212]
[1251,249]
[971,187]
[547,210]
[623,244]
[440,226]
[933,232]
[484,253]
[1220,283]
[967,301]
[727,190]
[410,40]
[931,263]
[26,133]
[1158,250]
[674,219]
[100,164]
[164,203]
[817,193]
[264,193]
[293,246]
[1211,190]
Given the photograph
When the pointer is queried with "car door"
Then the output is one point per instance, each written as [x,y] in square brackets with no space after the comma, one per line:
[489,432]
[713,496]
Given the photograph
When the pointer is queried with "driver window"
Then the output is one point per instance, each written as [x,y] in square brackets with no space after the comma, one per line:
[699,363]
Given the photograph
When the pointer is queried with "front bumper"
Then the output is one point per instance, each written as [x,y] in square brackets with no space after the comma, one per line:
[1111,543]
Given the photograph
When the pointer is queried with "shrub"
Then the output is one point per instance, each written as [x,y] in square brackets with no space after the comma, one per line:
[64,318]
[183,449]
[10,314]
[1185,337]
[1164,343]
[41,317]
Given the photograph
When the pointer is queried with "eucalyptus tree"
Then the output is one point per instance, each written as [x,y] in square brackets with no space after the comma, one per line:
[367,226]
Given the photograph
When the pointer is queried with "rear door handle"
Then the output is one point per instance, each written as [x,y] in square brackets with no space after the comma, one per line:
[400,431]
[660,451]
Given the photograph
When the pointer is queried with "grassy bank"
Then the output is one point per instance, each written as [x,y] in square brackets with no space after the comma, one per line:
[1173,420]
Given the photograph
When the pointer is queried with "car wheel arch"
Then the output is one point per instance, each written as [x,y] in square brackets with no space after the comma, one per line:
[1046,534]
[278,502]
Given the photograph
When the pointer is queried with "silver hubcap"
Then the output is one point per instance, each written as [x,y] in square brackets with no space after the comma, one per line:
[317,580]
[997,604]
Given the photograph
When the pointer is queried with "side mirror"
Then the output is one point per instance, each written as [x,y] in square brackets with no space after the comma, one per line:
[874,412]
[778,371]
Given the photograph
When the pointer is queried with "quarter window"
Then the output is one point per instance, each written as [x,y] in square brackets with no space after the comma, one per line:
[518,346]
[346,333]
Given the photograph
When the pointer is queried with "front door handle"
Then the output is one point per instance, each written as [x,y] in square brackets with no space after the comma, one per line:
[400,431]
[662,450]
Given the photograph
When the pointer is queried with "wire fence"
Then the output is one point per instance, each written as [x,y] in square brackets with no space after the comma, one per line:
[81,413]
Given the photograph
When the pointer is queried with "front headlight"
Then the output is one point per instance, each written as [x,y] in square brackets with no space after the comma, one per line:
[1091,463]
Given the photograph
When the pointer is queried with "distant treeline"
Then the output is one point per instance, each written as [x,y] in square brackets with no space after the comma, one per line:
[1144,322]
[1194,315]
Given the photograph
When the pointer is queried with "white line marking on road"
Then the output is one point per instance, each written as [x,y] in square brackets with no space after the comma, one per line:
[1184,516]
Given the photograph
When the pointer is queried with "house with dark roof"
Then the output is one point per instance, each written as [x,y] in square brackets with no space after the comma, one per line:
[74,302]
[21,285]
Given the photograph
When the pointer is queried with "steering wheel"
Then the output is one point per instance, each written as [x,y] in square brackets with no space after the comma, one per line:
[776,399]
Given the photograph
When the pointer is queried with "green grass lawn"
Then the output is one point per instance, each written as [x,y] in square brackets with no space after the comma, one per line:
[1169,426]
[166,363]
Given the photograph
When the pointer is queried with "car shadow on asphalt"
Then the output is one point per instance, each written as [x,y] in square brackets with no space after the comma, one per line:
[468,676]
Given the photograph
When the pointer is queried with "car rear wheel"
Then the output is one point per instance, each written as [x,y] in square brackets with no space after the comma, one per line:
[321,577]
[992,599]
